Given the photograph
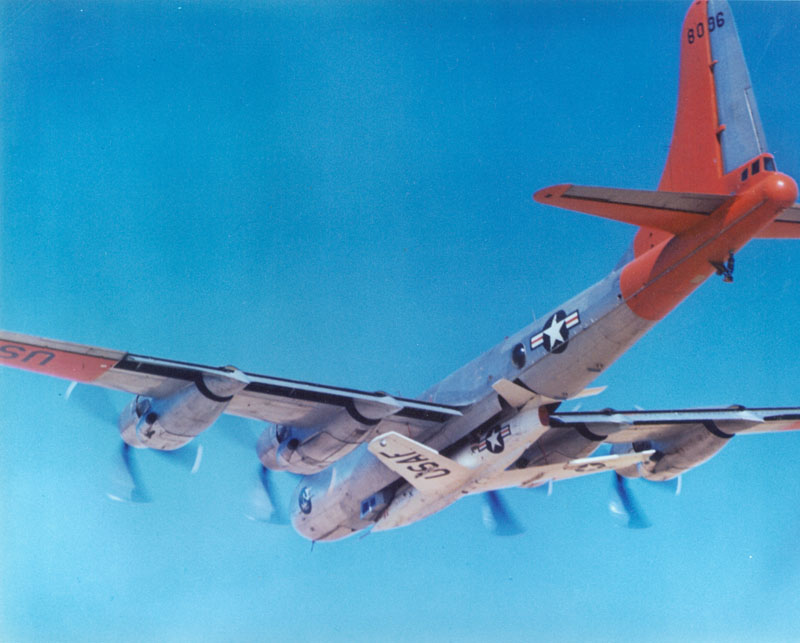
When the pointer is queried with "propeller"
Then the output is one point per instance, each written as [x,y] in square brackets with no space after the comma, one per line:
[126,484]
[625,505]
[673,486]
[95,401]
[544,488]
[497,517]
[264,503]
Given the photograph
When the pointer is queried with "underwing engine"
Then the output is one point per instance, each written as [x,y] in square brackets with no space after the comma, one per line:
[674,455]
[307,450]
[169,422]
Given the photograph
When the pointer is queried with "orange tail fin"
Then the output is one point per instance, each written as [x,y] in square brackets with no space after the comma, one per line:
[717,126]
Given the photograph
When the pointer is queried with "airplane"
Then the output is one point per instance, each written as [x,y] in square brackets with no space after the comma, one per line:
[370,461]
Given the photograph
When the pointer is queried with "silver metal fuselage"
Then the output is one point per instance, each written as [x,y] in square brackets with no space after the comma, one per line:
[606,329]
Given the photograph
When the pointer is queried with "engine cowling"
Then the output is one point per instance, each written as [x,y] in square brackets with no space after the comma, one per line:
[308,450]
[675,455]
[277,448]
[169,422]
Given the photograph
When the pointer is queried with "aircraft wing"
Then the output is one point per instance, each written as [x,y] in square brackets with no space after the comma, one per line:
[619,427]
[538,475]
[271,399]
[631,426]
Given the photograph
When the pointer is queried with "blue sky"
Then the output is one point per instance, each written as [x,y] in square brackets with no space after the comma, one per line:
[342,194]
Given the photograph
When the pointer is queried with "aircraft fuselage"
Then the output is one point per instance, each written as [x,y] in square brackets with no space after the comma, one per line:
[562,356]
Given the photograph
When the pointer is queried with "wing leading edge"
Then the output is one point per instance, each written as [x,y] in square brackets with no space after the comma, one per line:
[617,427]
[264,398]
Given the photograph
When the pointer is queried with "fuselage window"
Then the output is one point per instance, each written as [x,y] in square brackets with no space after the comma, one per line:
[769,164]
[518,356]
[755,167]
[744,174]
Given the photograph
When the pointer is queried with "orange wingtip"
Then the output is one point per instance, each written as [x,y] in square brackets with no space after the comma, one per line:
[51,361]
[551,192]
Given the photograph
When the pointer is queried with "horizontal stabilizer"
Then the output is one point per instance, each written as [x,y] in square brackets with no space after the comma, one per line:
[673,212]
[518,395]
[515,394]
[786,226]
[536,476]
[421,466]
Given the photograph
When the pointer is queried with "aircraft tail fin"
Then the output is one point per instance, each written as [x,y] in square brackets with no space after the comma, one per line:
[717,127]
[423,467]
[716,140]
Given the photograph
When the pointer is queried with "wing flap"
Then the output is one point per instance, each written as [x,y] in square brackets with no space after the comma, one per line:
[673,212]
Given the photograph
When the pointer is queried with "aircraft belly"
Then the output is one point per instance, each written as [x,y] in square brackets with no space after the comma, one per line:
[607,328]
[588,352]
[578,340]
[336,508]
[558,445]
[410,506]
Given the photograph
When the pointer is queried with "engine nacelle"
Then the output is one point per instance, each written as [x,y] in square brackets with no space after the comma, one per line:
[277,447]
[167,423]
[675,455]
[308,450]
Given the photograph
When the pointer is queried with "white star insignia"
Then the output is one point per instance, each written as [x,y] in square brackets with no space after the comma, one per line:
[554,331]
[494,439]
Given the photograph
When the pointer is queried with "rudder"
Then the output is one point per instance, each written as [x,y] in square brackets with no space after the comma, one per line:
[717,126]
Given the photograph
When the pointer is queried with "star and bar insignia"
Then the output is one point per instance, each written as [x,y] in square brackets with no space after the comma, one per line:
[555,334]
[494,441]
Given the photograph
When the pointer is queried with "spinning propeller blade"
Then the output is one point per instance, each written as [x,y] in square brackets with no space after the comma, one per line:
[625,505]
[673,486]
[125,483]
[264,503]
[97,402]
[188,456]
[498,518]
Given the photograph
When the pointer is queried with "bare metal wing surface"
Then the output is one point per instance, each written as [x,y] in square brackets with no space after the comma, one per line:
[618,427]
[270,399]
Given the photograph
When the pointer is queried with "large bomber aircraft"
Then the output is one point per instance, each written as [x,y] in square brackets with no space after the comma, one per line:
[372,461]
